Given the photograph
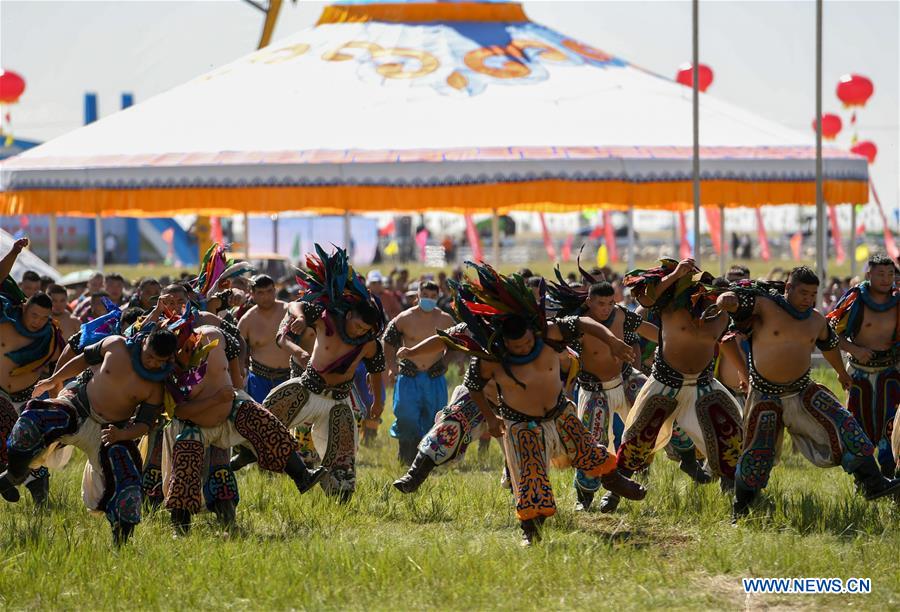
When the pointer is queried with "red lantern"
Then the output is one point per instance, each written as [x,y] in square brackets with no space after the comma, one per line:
[11,87]
[831,126]
[854,90]
[867,149]
[685,76]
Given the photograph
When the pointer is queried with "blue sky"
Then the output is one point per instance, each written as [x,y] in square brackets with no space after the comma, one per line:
[762,53]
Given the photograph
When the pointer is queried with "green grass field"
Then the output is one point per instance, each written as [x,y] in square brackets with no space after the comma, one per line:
[454,545]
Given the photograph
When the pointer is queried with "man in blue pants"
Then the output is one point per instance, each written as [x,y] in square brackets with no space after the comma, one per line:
[421,387]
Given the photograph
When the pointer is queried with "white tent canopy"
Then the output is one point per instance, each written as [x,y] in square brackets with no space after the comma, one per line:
[354,113]
[26,260]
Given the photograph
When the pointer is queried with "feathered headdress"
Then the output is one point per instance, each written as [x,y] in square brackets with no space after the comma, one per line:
[331,282]
[571,299]
[185,377]
[215,268]
[694,292]
[484,304]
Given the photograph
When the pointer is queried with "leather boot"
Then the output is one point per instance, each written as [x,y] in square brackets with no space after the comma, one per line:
[618,483]
[743,498]
[889,469]
[8,484]
[181,521]
[121,532]
[39,488]
[609,502]
[693,468]
[872,483]
[304,478]
[585,499]
[242,458]
[531,532]
[419,470]
[225,512]
[726,484]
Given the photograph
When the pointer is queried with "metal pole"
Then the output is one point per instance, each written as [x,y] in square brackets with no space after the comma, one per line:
[723,252]
[852,239]
[630,255]
[821,244]
[246,236]
[495,238]
[347,236]
[54,241]
[98,241]
[695,80]
[275,233]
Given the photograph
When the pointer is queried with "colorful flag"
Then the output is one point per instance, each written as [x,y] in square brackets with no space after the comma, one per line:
[763,238]
[796,245]
[839,253]
[714,221]
[548,241]
[602,256]
[567,248]
[392,248]
[609,235]
[889,244]
[474,239]
[387,230]
[684,247]
[862,253]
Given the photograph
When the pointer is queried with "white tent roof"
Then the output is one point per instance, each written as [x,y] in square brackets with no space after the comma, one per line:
[26,260]
[352,113]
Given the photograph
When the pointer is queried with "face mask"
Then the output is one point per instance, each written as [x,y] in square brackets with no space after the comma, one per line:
[427,304]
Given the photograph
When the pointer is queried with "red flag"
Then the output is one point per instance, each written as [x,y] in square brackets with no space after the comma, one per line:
[422,241]
[714,220]
[889,243]
[839,253]
[474,239]
[548,241]
[684,249]
[567,248]
[763,238]
[796,245]
[215,229]
[861,230]
[168,235]
[387,230]
[609,235]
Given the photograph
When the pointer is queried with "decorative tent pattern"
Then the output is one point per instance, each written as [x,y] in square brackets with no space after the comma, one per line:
[454,106]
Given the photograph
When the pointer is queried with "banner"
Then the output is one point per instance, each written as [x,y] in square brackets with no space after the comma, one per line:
[889,243]
[609,235]
[764,251]
[839,253]
[684,247]
[796,245]
[548,241]
[474,239]
[567,249]
[714,221]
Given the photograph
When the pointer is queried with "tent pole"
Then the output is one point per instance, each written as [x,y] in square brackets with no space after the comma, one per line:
[98,241]
[676,242]
[696,106]
[821,245]
[852,239]
[246,236]
[630,257]
[275,233]
[495,236]
[347,236]
[723,255]
[54,242]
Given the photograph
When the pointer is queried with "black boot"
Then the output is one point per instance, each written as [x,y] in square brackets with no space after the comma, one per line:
[743,498]
[690,466]
[8,485]
[585,499]
[620,484]
[40,488]
[121,532]
[889,469]
[871,481]
[224,510]
[407,451]
[609,502]
[304,478]
[531,532]
[419,470]
[181,521]
[726,484]
[243,458]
